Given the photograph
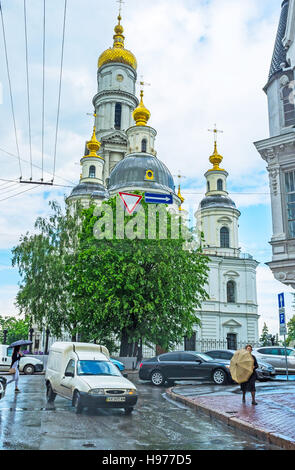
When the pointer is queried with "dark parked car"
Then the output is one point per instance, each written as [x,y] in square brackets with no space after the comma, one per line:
[265,371]
[181,365]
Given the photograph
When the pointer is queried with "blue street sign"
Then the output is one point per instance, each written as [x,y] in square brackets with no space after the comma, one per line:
[155,198]
[282,319]
[281,300]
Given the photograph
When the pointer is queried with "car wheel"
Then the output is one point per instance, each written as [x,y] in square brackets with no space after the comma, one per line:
[29,369]
[50,393]
[128,410]
[157,378]
[219,377]
[77,402]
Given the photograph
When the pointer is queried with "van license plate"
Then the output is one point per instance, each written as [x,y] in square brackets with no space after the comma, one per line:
[116,399]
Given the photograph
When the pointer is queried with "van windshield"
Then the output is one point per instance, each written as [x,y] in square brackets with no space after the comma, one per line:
[97,368]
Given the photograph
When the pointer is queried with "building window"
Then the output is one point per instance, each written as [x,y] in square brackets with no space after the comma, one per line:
[219,185]
[118,115]
[92,171]
[288,103]
[290,195]
[231,292]
[143,145]
[208,186]
[224,237]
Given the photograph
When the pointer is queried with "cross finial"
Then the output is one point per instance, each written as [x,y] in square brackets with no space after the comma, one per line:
[215,131]
[120,8]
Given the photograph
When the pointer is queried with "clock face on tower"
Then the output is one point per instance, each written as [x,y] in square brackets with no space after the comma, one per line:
[120,78]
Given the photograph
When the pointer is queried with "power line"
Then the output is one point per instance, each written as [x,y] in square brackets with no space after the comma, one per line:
[14,195]
[59,91]
[28,87]
[51,184]
[36,166]
[10,87]
[43,84]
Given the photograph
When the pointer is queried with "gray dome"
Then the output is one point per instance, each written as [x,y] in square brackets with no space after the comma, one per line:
[131,172]
[217,201]
[94,190]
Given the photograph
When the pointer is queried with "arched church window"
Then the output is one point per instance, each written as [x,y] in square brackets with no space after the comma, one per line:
[288,104]
[143,145]
[118,115]
[224,237]
[92,171]
[208,186]
[231,292]
[219,185]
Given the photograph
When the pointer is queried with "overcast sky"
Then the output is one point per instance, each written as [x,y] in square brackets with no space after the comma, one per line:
[207,62]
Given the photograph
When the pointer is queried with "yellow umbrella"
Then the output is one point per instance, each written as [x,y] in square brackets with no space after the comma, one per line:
[241,366]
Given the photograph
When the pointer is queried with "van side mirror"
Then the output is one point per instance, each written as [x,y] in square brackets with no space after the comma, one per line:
[69,374]
[126,376]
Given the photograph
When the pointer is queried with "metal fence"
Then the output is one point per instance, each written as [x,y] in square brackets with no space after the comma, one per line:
[201,345]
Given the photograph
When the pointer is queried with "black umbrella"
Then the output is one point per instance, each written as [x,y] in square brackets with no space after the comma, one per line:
[21,342]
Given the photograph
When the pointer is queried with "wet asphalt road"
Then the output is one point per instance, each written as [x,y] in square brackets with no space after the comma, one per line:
[27,422]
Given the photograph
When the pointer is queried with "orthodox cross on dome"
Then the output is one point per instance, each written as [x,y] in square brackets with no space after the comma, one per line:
[215,131]
[216,159]
[120,8]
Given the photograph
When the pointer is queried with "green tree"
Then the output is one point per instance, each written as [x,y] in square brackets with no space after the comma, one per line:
[264,339]
[16,329]
[291,331]
[41,259]
[140,290]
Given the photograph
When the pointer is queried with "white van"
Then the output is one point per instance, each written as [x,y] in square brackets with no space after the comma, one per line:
[27,364]
[84,374]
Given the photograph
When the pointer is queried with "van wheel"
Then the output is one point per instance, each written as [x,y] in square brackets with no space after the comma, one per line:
[77,402]
[129,410]
[29,369]
[50,393]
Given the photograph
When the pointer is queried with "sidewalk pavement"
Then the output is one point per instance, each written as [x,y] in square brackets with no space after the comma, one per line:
[272,420]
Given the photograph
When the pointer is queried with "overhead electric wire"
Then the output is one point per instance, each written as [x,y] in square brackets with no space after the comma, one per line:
[21,192]
[59,91]
[28,87]
[10,87]
[16,188]
[43,85]
[36,166]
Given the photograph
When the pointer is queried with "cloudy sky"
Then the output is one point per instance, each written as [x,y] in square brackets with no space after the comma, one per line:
[207,62]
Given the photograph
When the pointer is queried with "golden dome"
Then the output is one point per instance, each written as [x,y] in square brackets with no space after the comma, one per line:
[93,145]
[141,114]
[117,53]
[216,159]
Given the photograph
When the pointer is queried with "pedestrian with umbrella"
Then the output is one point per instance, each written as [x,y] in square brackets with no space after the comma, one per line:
[243,367]
[16,356]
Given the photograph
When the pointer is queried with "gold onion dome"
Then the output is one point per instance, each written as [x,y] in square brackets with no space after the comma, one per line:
[141,114]
[118,53]
[93,145]
[216,159]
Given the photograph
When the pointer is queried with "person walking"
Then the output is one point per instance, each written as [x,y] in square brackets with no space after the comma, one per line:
[16,355]
[249,386]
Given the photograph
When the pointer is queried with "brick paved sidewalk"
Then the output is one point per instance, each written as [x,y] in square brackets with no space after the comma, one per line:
[273,419]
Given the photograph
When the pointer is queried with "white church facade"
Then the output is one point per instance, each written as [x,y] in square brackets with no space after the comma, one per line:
[121,156]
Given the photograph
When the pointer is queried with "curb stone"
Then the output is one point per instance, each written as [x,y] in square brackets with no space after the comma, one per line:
[270,436]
